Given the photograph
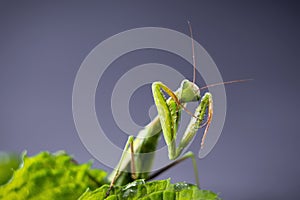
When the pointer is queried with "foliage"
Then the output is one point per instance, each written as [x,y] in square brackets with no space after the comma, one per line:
[155,190]
[51,176]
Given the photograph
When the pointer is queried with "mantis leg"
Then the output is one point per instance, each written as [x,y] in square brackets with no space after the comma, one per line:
[205,106]
[168,111]
[183,158]
[117,174]
[168,114]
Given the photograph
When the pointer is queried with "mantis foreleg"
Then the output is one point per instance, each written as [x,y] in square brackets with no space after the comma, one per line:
[196,123]
[169,114]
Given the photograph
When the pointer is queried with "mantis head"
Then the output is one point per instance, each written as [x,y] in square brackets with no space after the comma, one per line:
[189,91]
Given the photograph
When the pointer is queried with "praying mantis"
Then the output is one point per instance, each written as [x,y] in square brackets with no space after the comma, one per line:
[133,166]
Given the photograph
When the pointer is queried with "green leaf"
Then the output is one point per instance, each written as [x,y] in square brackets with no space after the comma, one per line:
[155,190]
[51,176]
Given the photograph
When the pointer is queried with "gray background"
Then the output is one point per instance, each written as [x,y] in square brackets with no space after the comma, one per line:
[43,44]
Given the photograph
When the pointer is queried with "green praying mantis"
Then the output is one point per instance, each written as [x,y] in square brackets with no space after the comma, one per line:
[133,165]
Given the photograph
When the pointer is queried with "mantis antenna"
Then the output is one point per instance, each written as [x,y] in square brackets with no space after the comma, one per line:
[193,51]
[225,83]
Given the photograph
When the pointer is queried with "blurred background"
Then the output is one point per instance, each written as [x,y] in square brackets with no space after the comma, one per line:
[42,45]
